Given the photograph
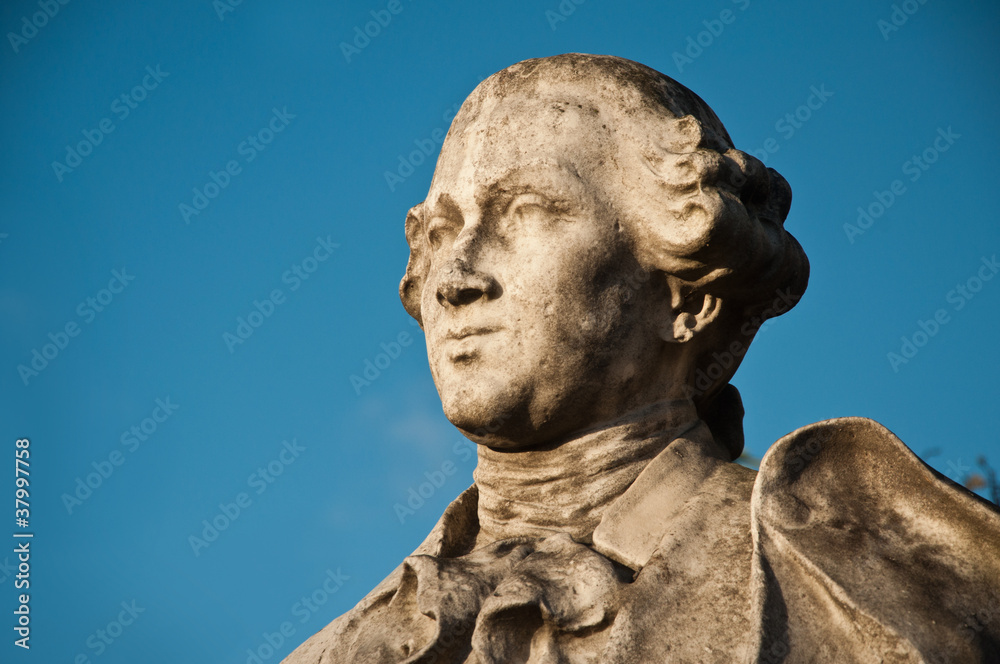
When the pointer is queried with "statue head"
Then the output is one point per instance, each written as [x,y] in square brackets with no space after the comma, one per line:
[591,244]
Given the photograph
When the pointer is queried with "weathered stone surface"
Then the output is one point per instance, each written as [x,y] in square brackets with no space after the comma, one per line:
[591,262]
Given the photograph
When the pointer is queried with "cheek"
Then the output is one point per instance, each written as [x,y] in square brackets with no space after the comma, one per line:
[587,321]
[593,294]
[608,319]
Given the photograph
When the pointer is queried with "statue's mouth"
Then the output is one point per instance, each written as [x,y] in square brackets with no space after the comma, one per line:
[471,331]
[465,344]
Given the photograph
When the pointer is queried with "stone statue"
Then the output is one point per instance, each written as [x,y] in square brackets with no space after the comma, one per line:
[590,265]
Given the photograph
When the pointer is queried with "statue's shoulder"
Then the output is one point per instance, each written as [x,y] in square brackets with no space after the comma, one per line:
[863,547]
[858,459]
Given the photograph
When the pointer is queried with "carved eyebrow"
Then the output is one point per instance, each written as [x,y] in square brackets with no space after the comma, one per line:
[558,183]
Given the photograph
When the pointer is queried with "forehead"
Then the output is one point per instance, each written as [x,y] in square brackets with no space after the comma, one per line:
[513,140]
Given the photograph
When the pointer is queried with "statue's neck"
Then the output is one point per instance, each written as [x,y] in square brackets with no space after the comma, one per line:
[566,488]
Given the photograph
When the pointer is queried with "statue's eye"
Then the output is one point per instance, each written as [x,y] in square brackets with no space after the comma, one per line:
[528,207]
[531,211]
[439,229]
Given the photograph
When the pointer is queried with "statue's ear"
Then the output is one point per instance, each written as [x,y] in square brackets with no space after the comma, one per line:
[691,311]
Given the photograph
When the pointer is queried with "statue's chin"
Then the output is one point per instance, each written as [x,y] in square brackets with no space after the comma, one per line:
[480,421]
[505,413]
[491,422]
[478,405]
[503,429]
[497,441]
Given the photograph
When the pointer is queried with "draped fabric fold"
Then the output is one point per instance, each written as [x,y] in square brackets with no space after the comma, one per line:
[844,548]
[539,600]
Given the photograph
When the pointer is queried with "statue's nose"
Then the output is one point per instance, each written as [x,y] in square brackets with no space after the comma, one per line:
[461,284]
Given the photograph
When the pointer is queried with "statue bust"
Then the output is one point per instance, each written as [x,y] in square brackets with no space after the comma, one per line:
[590,265]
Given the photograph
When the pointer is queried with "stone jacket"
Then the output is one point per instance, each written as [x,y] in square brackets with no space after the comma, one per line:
[844,547]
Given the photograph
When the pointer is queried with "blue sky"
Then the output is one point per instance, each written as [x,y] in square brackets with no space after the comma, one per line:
[278,140]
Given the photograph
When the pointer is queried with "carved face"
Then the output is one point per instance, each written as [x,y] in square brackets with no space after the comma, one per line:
[539,320]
